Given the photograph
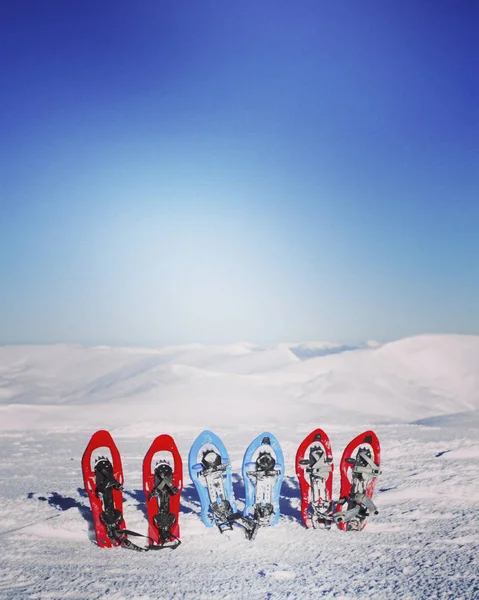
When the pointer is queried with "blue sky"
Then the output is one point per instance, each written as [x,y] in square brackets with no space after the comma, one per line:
[177,171]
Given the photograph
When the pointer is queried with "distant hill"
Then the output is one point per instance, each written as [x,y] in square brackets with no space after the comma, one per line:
[406,380]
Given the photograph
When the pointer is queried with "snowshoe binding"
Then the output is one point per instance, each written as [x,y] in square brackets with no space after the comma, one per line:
[314,468]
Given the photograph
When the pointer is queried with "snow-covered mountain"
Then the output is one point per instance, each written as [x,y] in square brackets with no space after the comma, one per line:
[420,394]
[404,380]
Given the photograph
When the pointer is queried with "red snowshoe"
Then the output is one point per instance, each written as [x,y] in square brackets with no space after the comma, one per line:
[359,470]
[314,468]
[103,482]
[162,485]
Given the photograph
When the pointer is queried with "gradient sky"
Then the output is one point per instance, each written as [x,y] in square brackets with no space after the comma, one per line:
[178,171]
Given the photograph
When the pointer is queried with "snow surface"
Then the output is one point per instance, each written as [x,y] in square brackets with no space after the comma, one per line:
[421,396]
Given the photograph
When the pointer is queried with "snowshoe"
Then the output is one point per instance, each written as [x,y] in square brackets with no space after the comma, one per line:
[263,472]
[359,470]
[103,483]
[162,485]
[210,470]
[314,468]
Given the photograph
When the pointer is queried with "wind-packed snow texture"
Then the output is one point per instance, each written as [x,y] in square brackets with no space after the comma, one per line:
[421,396]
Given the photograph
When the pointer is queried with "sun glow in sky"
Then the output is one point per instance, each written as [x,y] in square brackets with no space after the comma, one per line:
[184,171]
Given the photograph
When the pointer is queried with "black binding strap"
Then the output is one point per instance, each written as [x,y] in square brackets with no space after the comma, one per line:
[113,518]
[120,536]
[250,525]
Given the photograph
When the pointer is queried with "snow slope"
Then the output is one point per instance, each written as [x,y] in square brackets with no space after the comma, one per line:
[420,394]
[400,381]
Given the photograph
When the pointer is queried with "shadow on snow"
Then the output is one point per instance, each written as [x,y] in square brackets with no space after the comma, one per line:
[190,504]
[63,503]
[289,500]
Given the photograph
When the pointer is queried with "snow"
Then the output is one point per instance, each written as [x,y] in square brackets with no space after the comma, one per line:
[420,394]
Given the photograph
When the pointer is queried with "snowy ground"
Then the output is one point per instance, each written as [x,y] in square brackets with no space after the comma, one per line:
[423,544]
